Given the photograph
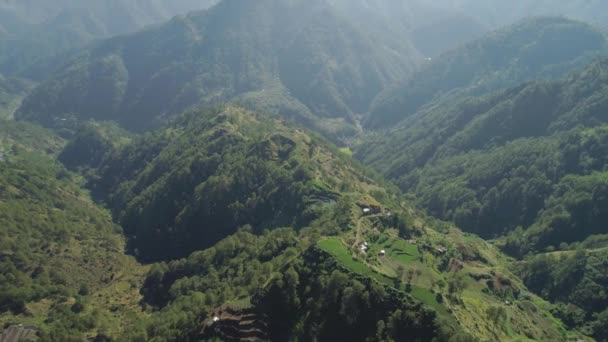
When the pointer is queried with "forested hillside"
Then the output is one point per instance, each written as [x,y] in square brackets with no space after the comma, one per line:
[35,34]
[526,164]
[175,178]
[246,201]
[61,256]
[186,187]
[537,48]
[299,58]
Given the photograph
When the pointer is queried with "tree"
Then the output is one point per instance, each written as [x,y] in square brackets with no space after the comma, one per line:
[600,326]
[441,284]
[457,284]
[400,275]
[410,275]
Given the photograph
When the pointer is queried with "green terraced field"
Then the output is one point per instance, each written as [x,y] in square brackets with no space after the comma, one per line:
[336,248]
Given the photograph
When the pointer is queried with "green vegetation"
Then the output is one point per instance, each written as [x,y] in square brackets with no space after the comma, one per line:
[577,281]
[23,136]
[61,257]
[310,294]
[458,285]
[255,227]
[346,258]
[295,58]
[188,186]
[537,48]
[525,166]
[492,167]
[177,198]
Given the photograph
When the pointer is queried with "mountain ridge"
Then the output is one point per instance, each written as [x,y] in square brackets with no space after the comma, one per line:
[504,58]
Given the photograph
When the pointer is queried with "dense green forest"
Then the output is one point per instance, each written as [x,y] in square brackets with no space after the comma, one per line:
[57,248]
[175,178]
[525,165]
[184,188]
[490,162]
[268,234]
[536,48]
[576,279]
[229,181]
[300,58]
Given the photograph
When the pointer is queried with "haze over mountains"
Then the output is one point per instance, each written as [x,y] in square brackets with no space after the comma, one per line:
[32,32]
[175,178]
[537,48]
[300,58]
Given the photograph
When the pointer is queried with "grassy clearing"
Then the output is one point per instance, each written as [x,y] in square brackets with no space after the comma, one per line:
[336,248]
[346,151]
[429,298]
[402,251]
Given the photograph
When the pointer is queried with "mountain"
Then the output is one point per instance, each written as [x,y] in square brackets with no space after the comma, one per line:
[186,187]
[432,29]
[537,48]
[299,58]
[142,12]
[61,256]
[492,135]
[261,225]
[524,165]
[497,13]
[40,32]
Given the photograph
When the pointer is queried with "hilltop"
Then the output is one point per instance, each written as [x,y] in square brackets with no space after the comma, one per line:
[185,187]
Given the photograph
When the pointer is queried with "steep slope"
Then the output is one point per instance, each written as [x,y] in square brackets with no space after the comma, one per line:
[526,165]
[188,186]
[36,31]
[63,269]
[295,268]
[576,279]
[537,48]
[296,57]
[491,135]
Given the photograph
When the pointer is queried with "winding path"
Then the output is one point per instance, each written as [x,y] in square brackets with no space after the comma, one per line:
[358,228]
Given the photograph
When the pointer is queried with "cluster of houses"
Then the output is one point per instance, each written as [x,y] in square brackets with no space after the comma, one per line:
[364,247]
[375,211]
